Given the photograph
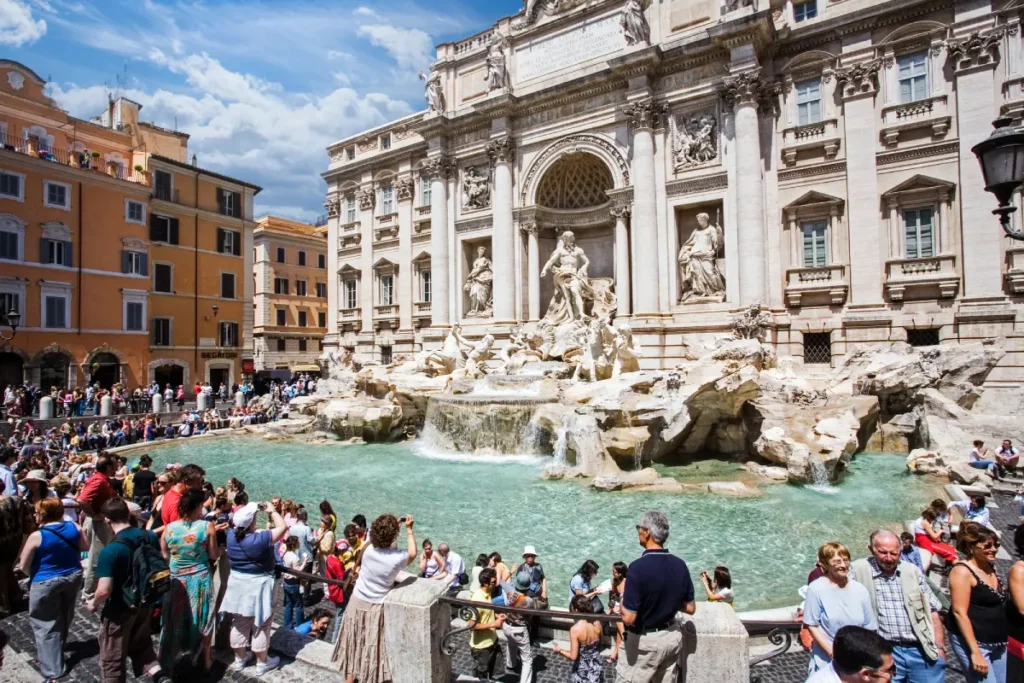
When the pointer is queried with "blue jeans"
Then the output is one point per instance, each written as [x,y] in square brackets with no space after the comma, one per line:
[995,656]
[983,464]
[912,667]
[336,630]
[293,615]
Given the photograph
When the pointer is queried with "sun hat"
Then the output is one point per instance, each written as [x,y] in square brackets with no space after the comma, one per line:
[37,440]
[37,475]
[134,509]
[244,516]
[530,550]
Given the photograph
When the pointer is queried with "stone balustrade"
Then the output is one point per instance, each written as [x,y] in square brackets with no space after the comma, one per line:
[922,278]
[930,112]
[822,135]
[821,285]
[1015,270]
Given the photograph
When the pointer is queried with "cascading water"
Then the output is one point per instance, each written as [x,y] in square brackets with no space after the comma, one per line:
[819,475]
[482,424]
[561,447]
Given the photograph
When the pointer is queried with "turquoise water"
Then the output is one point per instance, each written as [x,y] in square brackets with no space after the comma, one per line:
[479,505]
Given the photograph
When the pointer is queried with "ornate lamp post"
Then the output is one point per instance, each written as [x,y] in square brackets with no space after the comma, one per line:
[11,320]
[1001,156]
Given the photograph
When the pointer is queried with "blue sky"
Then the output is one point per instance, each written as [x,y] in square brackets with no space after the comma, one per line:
[262,86]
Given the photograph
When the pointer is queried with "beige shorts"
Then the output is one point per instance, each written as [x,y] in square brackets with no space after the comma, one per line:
[650,658]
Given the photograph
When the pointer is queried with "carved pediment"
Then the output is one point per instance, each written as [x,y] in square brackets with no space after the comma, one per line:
[424,257]
[349,271]
[385,264]
[812,198]
[57,231]
[920,182]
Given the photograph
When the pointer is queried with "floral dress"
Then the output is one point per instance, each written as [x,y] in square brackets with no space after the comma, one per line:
[588,667]
[188,614]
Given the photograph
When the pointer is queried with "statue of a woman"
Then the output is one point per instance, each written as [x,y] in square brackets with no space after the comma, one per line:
[634,23]
[432,91]
[497,68]
[480,285]
[698,263]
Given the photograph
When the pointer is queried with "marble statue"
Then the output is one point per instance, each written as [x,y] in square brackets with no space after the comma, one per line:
[336,362]
[532,11]
[523,347]
[449,358]
[476,189]
[698,263]
[593,361]
[753,323]
[482,352]
[480,285]
[694,140]
[433,92]
[497,66]
[622,350]
[634,23]
[568,265]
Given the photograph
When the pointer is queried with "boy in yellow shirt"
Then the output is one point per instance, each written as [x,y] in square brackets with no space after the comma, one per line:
[483,643]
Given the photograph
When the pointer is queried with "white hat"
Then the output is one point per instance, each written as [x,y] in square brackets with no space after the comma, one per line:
[135,510]
[244,516]
[530,550]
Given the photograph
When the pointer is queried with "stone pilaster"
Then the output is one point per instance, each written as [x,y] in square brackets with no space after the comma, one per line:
[333,207]
[367,198]
[622,284]
[744,93]
[503,241]
[858,86]
[642,116]
[974,58]
[532,271]
[438,169]
[405,190]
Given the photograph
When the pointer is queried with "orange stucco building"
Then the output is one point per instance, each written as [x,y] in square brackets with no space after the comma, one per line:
[94,215]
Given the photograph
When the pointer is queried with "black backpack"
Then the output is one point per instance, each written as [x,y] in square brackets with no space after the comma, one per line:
[150,577]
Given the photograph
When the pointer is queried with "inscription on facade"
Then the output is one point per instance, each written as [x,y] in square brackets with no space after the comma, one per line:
[590,40]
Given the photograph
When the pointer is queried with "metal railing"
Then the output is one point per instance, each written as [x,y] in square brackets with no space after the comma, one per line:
[84,160]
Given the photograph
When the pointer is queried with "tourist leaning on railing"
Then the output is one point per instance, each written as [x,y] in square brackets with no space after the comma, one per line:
[584,644]
[249,596]
[1015,612]
[360,653]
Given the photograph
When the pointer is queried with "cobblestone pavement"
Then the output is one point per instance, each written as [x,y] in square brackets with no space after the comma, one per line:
[550,668]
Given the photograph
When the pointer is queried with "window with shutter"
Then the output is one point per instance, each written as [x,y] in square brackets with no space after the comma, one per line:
[302,258]
[133,316]
[229,334]
[425,286]
[919,230]
[321,261]
[302,318]
[161,332]
[387,290]
[281,317]
[162,278]
[55,313]
[162,185]
[300,288]
[815,242]
[227,285]
[280,255]
[321,290]
[9,301]
[321,319]
[350,294]
[808,101]
[9,245]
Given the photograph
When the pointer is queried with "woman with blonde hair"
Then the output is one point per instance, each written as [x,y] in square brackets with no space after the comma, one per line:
[52,557]
[832,602]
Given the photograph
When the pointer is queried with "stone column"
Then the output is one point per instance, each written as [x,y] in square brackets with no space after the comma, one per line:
[742,94]
[503,242]
[532,271]
[859,84]
[622,288]
[438,169]
[333,206]
[405,190]
[367,296]
[642,115]
[974,58]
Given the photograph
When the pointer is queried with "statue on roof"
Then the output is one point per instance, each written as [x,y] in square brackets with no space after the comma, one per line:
[532,11]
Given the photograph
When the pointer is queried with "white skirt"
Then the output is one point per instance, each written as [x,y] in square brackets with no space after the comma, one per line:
[249,595]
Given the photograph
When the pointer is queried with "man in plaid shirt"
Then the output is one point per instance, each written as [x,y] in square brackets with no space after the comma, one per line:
[906,609]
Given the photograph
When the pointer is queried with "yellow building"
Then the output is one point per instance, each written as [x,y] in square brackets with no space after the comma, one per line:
[290,273]
[80,221]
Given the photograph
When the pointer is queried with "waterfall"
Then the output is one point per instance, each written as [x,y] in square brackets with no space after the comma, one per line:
[638,449]
[483,424]
[561,444]
[819,475]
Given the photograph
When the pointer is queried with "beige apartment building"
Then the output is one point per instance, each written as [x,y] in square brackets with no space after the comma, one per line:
[290,273]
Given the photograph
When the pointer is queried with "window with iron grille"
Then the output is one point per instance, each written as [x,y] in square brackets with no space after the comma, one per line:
[817,348]
[926,337]
[385,355]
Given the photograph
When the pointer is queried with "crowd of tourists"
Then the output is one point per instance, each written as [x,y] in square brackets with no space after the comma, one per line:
[166,550]
[20,401]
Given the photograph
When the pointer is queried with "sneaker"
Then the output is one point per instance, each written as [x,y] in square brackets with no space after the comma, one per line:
[269,665]
[240,664]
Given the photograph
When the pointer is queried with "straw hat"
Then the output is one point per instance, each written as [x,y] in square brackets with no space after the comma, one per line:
[530,550]
[37,475]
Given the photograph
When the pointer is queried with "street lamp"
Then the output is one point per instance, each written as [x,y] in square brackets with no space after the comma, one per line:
[11,320]
[1001,156]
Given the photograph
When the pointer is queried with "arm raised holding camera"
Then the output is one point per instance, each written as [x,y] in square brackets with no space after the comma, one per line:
[410,537]
[279,529]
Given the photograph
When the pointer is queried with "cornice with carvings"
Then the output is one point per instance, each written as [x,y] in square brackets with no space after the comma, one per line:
[707,183]
[813,170]
[976,50]
[474,224]
[923,152]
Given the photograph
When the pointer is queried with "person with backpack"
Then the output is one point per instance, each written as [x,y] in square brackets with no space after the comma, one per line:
[132,576]
[52,557]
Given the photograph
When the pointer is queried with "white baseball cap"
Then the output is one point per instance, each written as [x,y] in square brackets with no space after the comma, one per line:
[244,516]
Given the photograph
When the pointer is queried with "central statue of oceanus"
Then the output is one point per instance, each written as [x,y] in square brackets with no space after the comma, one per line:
[533,8]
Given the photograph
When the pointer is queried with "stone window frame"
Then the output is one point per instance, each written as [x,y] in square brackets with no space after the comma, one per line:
[351,209]
[18,287]
[922,36]
[382,269]
[387,199]
[827,208]
[127,211]
[347,274]
[938,195]
[421,266]
[50,288]
[14,225]
[20,197]
[66,206]
[806,67]
[134,296]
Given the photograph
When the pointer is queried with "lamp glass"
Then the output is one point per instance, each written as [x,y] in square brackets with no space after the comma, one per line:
[13,318]
[1003,164]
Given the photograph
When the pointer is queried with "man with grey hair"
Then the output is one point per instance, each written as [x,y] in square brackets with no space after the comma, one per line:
[906,609]
[659,586]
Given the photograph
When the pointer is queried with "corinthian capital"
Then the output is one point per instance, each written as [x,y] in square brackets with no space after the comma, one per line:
[750,88]
[644,113]
[975,50]
[367,199]
[529,229]
[621,210]
[333,206]
[439,167]
[502,150]
[859,79]
[406,188]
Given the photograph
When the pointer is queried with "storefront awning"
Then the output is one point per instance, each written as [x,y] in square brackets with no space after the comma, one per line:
[306,368]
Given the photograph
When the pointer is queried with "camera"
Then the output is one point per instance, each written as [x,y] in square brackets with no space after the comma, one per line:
[403,520]
[262,507]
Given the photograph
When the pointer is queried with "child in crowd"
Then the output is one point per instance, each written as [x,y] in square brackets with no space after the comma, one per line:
[293,615]
[910,553]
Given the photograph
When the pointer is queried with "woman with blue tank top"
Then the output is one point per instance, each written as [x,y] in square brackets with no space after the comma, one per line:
[53,556]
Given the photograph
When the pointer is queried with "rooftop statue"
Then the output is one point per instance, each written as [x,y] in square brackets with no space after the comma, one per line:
[433,92]
[634,23]
[497,66]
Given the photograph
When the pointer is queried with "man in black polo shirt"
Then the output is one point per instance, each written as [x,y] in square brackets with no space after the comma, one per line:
[659,586]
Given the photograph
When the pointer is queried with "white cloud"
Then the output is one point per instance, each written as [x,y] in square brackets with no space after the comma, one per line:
[17,25]
[341,78]
[364,11]
[411,48]
[339,54]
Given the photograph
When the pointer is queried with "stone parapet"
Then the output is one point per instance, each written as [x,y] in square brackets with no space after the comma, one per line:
[415,620]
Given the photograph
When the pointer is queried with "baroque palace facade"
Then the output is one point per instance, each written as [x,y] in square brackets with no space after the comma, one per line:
[812,157]
[127,262]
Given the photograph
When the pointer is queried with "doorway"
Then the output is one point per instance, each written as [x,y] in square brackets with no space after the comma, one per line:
[12,369]
[53,371]
[169,374]
[219,376]
[105,370]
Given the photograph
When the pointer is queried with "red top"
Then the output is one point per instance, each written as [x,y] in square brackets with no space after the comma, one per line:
[96,492]
[335,570]
[169,508]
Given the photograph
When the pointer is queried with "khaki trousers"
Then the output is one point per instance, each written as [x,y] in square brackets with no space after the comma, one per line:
[650,658]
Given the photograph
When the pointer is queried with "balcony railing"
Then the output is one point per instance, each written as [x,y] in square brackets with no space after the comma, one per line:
[930,112]
[823,285]
[922,278]
[32,147]
[822,135]
[1015,270]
